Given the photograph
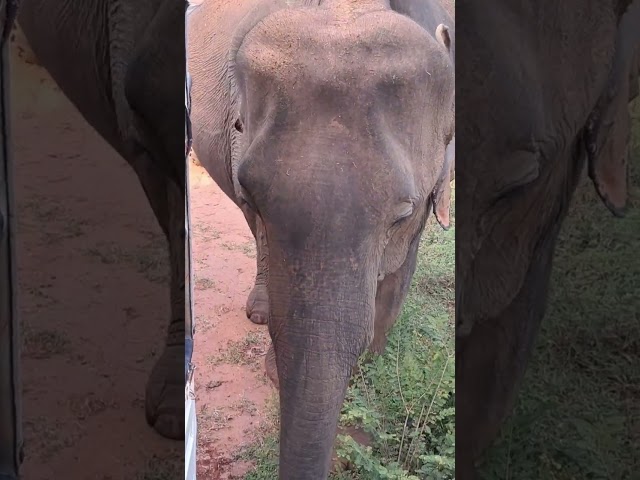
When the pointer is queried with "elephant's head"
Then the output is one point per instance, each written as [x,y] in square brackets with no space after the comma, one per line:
[523,119]
[344,112]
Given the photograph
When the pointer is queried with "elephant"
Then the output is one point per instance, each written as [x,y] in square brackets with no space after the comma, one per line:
[111,60]
[326,123]
[537,102]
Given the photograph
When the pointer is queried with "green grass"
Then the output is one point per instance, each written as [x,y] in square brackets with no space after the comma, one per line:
[404,399]
[242,352]
[575,413]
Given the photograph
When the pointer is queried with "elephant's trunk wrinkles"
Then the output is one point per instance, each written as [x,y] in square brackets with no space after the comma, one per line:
[318,333]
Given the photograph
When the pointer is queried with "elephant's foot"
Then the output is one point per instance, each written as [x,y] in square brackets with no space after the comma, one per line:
[257,308]
[271,368]
[164,402]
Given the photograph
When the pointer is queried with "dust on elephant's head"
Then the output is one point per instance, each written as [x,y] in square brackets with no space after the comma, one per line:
[343,129]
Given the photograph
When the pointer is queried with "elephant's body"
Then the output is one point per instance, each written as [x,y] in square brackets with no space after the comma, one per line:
[111,59]
[78,43]
[109,39]
[327,125]
[542,99]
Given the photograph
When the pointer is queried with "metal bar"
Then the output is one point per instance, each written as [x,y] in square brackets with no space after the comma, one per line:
[190,407]
[10,394]
[189,323]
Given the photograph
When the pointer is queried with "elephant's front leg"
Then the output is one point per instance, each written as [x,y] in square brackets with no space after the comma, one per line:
[608,135]
[147,107]
[390,296]
[257,308]
[491,360]
[164,397]
[165,388]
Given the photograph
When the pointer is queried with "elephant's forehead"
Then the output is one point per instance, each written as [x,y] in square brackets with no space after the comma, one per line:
[320,46]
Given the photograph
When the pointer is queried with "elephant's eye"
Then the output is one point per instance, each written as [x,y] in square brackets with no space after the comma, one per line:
[239,126]
[522,169]
[404,211]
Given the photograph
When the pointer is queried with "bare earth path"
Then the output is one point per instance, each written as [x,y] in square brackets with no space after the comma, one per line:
[65,176]
[93,293]
[233,396]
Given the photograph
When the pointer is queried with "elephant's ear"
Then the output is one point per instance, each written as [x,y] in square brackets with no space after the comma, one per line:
[609,127]
[607,139]
[442,204]
[608,154]
[443,37]
[441,196]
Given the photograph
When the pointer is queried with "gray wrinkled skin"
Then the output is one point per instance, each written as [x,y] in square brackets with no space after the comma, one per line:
[327,125]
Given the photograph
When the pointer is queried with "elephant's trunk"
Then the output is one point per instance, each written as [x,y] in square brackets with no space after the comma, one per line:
[322,320]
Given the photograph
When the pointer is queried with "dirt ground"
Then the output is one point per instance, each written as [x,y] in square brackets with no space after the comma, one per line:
[65,432]
[233,395]
[74,255]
